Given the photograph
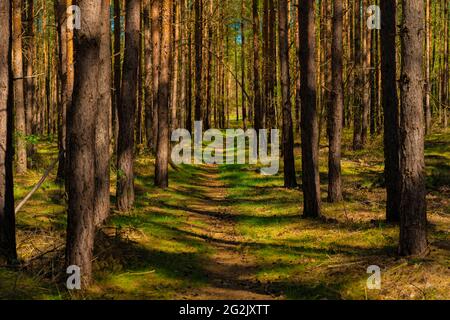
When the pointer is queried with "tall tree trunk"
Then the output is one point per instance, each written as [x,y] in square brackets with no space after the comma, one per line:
[207,115]
[359,81]
[162,154]
[128,97]
[244,110]
[367,47]
[60,9]
[309,121]
[81,141]
[7,215]
[288,134]
[117,72]
[428,36]
[189,82]
[413,218]
[390,109]
[103,117]
[336,110]
[156,53]
[257,105]
[28,67]
[198,58]
[175,67]
[148,74]
[19,103]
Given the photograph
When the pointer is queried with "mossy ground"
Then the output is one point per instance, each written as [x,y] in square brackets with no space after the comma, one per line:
[229,232]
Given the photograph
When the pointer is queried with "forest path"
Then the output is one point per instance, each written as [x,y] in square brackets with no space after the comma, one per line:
[230,268]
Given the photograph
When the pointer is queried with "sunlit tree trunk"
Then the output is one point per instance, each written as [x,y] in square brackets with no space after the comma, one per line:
[19,103]
[162,153]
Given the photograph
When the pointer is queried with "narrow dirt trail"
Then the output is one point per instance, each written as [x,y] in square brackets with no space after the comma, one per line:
[230,269]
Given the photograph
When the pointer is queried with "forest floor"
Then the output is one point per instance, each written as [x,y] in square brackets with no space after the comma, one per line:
[228,232]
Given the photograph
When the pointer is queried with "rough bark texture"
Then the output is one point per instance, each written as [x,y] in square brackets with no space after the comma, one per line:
[7,216]
[127,108]
[390,108]
[413,220]
[309,121]
[336,108]
[162,154]
[288,134]
[19,102]
[102,129]
[81,123]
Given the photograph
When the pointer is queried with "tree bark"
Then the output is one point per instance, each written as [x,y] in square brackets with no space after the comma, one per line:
[156,53]
[413,218]
[359,81]
[117,72]
[7,216]
[162,154]
[288,134]
[103,117]
[19,103]
[198,58]
[390,109]
[336,110]
[127,108]
[428,67]
[309,121]
[81,141]
[257,106]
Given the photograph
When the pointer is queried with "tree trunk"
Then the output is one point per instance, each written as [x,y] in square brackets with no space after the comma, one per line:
[359,81]
[60,9]
[413,218]
[288,134]
[81,141]
[19,103]
[28,67]
[7,216]
[367,47]
[244,110]
[103,117]
[198,58]
[309,121]
[428,67]
[128,99]
[156,53]
[390,109]
[257,106]
[117,73]
[175,67]
[336,110]
[162,154]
